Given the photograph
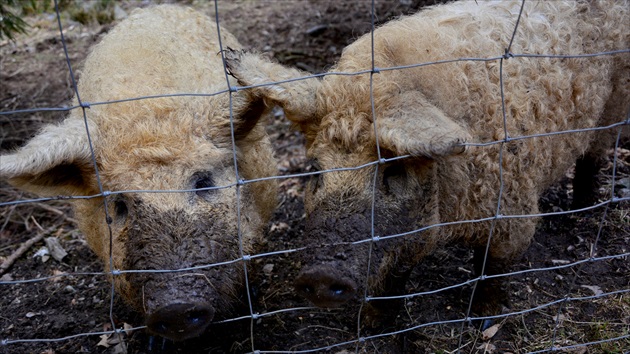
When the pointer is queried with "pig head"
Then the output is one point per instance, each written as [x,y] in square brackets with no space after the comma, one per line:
[347,208]
[181,150]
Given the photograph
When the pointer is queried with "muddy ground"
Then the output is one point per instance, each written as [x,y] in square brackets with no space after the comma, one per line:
[309,35]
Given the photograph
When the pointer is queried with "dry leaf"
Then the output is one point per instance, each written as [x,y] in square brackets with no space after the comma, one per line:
[559,262]
[268,269]
[56,275]
[127,327]
[280,226]
[293,192]
[487,347]
[115,338]
[103,341]
[43,253]
[594,288]
[490,332]
[55,248]
[120,348]
[559,318]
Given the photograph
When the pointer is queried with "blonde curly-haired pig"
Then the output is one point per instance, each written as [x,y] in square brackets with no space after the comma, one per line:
[172,143]
[436,114]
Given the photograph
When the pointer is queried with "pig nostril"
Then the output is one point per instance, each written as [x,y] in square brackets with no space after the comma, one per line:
[161,327]
[180,321]
[197,317]
[325,287]
[306,289]
[338,289]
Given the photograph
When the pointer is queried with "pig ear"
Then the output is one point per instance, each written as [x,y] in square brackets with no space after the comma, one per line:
[57,161]
[297,98]
[416,127]
[246,116]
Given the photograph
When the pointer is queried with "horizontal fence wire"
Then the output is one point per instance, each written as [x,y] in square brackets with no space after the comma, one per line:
[622,123]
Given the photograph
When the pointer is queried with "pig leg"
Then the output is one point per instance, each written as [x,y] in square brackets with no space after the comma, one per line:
[383,312]
[617,108]
[491,295]
[585,181]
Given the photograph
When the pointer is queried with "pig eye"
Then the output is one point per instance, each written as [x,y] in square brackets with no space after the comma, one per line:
[315,183]
[121,209]
[394,177]
[316,180]
[312,165]
[203,182]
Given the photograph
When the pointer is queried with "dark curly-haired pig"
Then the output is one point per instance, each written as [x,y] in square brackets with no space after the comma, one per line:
[173,143]
[436,114]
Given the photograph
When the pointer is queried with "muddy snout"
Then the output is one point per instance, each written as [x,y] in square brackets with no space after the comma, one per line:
[325,286]
[180,321]
[178,307]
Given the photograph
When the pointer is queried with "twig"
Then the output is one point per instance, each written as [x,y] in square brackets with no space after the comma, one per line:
[56,211]
[20,251]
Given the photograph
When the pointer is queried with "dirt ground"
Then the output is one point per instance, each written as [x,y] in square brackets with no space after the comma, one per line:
[309,35]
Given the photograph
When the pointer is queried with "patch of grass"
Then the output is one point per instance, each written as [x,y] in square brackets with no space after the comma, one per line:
[91,12]
[12,13]
[607,331]
[10,23]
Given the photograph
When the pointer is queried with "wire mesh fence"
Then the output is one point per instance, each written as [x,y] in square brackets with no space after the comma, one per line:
[605,221]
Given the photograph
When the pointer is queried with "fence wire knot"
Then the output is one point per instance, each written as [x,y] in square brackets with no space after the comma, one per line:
[247,257]
[617,199]
[116,272]
[507,54]
[85,105]
[233,89]
[376,238]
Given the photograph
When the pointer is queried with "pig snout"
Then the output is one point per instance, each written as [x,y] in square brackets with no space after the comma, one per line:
[178,309]
[180,321]
[325,286]
[182,307]
[327,278]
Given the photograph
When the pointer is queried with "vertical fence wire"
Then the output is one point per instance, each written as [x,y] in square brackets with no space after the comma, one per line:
[238,181]
[108,220]
[373,184]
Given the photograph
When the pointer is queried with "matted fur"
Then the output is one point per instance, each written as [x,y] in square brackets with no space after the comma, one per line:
[429,112]
[169,143]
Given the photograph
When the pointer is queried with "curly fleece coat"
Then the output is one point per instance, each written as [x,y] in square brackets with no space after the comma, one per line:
[172,143]
[429,112]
